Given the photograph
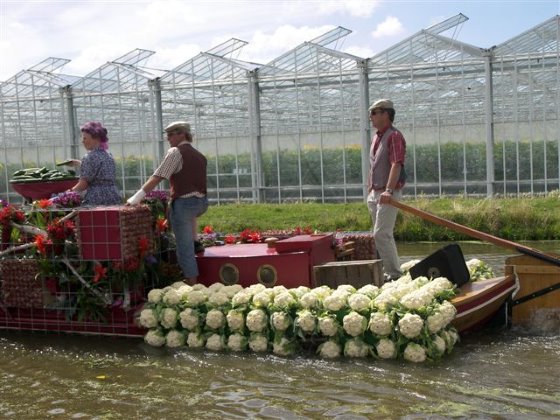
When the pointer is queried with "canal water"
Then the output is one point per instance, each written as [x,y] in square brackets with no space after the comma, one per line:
[495,374]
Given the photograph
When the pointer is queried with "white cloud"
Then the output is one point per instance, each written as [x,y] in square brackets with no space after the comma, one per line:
[94,56]
[363,52]
[263,47]
[167,58]
[391,26]
[92,32]
[355,8]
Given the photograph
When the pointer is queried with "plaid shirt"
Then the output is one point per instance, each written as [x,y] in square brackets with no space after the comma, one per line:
[397,146]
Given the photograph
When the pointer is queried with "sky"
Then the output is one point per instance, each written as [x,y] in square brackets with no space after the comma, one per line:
[90,33]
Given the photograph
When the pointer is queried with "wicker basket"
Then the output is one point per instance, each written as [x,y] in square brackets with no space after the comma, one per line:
[364,245]
[22,287]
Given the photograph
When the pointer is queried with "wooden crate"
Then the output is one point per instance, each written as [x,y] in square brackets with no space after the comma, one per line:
[355,273]
[534,275]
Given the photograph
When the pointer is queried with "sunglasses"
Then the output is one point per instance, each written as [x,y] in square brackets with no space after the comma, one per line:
[379,111]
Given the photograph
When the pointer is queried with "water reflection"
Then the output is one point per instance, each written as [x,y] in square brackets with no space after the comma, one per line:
[488,375]
[493,374]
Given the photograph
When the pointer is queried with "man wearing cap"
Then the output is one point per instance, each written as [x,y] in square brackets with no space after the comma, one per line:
[185,168]
[386,179]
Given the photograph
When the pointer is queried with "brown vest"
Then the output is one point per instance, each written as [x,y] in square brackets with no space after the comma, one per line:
[192,176]
[379,164]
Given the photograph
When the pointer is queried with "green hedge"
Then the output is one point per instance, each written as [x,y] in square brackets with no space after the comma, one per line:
[514,219]
[334,160]
[327,166]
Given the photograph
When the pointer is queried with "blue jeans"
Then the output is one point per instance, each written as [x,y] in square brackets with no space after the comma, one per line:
[182,215]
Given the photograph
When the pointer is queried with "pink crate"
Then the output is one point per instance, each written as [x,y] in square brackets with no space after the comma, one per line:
[113,232]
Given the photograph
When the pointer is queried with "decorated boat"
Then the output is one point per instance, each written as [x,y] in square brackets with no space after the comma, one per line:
[72,269]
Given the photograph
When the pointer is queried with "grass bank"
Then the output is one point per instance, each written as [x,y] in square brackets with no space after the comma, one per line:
[516,219]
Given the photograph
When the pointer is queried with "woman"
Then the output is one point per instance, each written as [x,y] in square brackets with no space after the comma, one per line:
[97,168]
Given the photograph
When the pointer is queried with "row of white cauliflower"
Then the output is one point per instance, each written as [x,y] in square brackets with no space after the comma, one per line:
[197,316]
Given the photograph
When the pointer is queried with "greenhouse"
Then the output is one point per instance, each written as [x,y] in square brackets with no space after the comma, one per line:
[479,121]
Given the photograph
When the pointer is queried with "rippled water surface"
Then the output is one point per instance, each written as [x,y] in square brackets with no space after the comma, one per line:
[496,373]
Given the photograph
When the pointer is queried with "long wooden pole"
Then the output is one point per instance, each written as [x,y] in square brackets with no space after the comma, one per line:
[476,233]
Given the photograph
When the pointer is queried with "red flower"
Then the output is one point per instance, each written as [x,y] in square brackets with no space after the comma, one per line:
[229,239]
[131,264]
[250,236]
[162,224]
[69,227]
[100,273]
[255,237]
[60,232]
[208,229]
[307,230]
[10,214]
[143,245]
[244,236]
[19,216]
[40,244]
[56,232]
[44,203]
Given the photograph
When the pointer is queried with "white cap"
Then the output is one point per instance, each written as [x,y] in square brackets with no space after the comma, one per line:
[182,126]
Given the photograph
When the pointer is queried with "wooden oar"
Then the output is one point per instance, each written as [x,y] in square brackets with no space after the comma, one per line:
[476,234]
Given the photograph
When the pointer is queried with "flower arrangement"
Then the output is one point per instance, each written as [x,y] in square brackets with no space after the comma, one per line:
[66,200]
[209,237]
[80,289]
[478,270]
[249,236]
[157,200]
[404,319]
[9,214]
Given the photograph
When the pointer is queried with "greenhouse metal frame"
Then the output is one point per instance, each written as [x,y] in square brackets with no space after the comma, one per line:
[478,121]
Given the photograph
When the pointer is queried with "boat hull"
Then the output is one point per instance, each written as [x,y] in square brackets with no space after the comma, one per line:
[478,302]
[117,323]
